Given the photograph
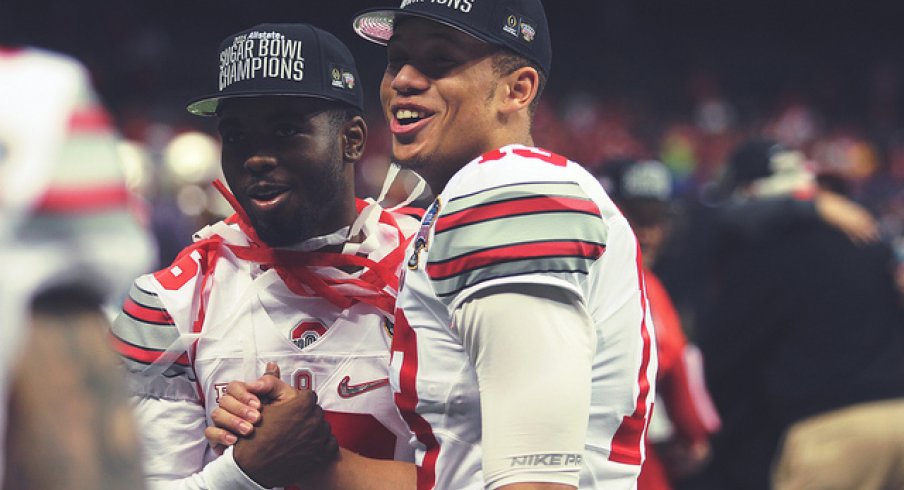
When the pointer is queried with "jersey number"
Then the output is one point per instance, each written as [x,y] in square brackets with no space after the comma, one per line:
[535,153]
[178,274]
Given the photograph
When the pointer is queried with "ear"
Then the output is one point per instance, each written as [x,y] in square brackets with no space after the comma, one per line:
[354,138]
[521,88]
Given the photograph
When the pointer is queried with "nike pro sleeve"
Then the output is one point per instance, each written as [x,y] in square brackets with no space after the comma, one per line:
[532,348]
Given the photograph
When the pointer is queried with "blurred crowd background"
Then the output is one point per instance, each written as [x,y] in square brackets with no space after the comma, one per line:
[679,81]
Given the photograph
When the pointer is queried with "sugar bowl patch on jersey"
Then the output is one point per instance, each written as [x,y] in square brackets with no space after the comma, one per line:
[423,235]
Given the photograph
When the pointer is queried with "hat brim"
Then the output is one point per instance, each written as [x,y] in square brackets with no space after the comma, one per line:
[209,105]
[377,25]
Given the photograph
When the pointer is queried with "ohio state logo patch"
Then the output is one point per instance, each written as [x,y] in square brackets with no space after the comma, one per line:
[306,333]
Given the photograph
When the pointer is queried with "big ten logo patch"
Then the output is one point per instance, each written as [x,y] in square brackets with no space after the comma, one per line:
[306,333]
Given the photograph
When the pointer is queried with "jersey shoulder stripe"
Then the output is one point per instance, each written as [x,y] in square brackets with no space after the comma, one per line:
[143,293]
[144,330]
[551,252]
[471,270]
[143,355]
[146,314]
[516,206]
[513,191]
[515,229]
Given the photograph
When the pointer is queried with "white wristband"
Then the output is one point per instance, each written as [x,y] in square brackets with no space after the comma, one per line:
[224,473]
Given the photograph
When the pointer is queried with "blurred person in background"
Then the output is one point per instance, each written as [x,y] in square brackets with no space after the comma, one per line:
[678,443]
[711,217]
[802,340]
[69,243]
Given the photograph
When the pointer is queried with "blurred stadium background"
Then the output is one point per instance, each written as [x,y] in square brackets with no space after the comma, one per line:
[681,81]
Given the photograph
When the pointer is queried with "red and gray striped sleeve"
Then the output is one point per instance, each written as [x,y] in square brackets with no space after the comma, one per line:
[511,232]
[144,334]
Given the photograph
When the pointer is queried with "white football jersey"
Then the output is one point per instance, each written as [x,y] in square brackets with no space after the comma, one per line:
[65,212]
[188,330]
[521,215]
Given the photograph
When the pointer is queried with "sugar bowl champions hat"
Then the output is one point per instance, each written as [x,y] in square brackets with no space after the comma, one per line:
[283,59]
[519,25]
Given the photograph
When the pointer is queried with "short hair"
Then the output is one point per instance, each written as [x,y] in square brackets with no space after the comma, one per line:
[506,61]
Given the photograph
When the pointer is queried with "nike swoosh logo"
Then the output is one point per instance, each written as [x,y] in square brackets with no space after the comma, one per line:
[347,391]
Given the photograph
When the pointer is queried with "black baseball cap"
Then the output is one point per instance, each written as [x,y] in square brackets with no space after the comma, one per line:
[519,25]
[641,188]
[750,161]
[283,59]
[626,179]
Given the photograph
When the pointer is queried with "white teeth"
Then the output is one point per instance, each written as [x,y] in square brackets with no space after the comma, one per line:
[408,114]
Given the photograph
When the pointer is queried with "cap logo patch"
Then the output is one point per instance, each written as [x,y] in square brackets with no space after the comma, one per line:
[527,31]
[520,27]
[463,6]
[511,25]
[261,55]
[341,78]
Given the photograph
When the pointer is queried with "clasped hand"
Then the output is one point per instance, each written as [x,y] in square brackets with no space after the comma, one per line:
[280,434]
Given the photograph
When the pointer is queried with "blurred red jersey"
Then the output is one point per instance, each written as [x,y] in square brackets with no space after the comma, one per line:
[680,386]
